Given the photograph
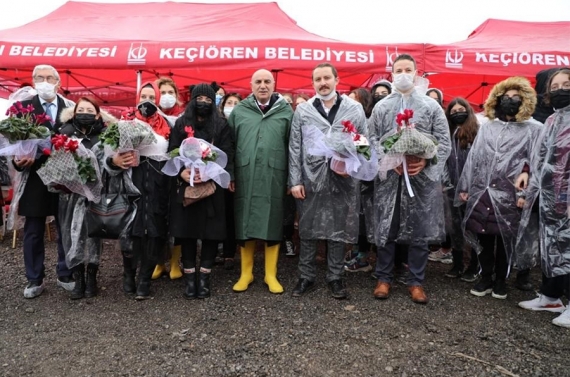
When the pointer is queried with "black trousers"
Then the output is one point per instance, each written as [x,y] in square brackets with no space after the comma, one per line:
[190,252]
[493,257]
[555,287]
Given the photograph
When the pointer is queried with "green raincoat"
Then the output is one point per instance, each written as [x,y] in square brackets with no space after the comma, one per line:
[262,143]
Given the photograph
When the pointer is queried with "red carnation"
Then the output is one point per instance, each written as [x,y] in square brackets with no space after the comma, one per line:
[356,137]
[46,152]
[71,145]
[348,126]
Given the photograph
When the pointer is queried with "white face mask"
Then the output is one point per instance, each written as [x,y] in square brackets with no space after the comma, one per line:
[167,101]
[45,90]
[228,110]
[404,81]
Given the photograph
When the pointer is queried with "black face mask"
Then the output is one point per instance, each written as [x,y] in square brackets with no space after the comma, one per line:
[376,99]
[147,109]
[84,120]
[560,98]
[203,108]
[459,117]
[510,107]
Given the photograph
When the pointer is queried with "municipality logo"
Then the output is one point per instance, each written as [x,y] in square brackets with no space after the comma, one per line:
[453,59]
[137,54]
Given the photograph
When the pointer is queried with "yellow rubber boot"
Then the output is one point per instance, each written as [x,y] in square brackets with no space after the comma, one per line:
[175,271]
[271,257]
[158,271]
[246,277]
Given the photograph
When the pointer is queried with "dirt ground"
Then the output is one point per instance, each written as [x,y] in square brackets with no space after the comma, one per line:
[256,333]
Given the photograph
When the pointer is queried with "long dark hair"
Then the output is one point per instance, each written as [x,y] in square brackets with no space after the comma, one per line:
[468,130]
[206,125]
[546,96]
[363,96]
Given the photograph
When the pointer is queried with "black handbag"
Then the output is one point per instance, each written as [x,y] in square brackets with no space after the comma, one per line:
[113,215]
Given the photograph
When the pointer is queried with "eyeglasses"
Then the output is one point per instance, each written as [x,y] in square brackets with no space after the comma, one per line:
[50,79]
[505,98]
[565,86]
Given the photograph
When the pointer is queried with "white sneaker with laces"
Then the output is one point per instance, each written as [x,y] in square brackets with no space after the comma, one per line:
[543,303]
[33,290]
[563,320]
[441,256]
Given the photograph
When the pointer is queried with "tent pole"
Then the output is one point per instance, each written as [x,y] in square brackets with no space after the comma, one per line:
[139,81]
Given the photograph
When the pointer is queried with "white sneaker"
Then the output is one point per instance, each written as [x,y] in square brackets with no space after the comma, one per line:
[34,290]
[563,320]
[543,303]
[441,256]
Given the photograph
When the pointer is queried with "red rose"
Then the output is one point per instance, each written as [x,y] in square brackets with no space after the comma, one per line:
[46,152]
[72,145]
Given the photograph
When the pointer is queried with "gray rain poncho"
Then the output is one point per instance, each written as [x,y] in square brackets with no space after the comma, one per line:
[332,203]
[498,156]
[548,192]
[421,216]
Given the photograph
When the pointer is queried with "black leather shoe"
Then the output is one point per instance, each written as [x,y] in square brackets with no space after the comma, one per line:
[338,290]
[303,286]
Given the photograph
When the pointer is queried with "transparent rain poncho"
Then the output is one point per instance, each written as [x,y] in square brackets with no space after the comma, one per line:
[332,204]
[548,229]
[61,169]
[498,156]
[421,216]
[79,248]
[193,154]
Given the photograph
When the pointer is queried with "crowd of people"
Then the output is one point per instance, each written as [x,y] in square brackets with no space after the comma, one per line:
[495,190]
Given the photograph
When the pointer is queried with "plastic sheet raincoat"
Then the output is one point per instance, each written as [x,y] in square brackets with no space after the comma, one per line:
[548,190]
[421,217]
[78,247]
[498,156]
[261,142]
[332,203]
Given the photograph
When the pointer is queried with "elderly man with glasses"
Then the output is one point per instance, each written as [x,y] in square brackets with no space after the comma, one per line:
[36,202]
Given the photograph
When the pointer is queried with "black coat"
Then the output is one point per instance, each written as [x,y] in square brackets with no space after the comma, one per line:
[87,140]
[205,219]
[36,200]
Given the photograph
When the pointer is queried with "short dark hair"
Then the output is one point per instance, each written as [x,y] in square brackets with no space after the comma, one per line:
[325,65]
[404,57]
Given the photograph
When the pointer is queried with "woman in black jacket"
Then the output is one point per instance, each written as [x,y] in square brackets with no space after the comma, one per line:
[204,220]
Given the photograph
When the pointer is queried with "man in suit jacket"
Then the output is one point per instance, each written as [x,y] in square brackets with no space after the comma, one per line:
[37,202]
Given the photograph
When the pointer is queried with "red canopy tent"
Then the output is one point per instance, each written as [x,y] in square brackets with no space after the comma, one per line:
[98,48]
[497,49]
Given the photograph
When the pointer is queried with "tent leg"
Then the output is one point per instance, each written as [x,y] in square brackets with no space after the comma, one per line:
[139,81]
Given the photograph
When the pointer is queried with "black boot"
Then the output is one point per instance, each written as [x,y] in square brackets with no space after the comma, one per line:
[190,289]
[203,285]
[129,272]
[79,277]
[91,280]
[522,281]
[145,275]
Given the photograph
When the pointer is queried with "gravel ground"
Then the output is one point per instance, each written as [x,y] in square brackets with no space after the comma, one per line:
[256,333]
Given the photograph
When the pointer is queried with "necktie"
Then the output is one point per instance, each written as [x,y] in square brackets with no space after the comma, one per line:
[263,107]
[49,111]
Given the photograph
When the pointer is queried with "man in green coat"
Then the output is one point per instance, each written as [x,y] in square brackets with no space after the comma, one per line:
[261,125]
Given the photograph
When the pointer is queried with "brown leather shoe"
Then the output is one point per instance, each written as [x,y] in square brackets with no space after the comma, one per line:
[418,294]
[382,290]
